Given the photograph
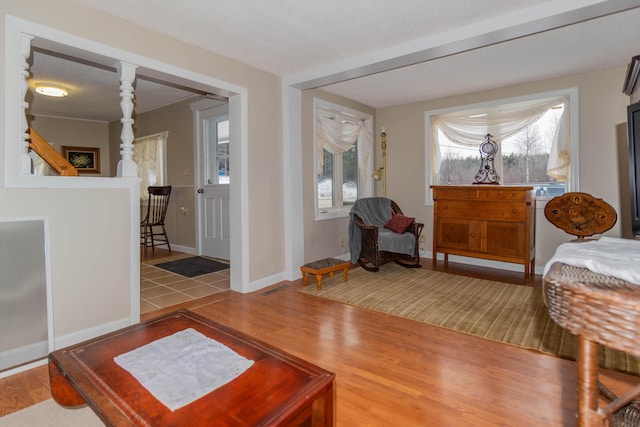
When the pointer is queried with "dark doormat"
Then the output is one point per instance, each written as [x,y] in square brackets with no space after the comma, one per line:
[192,267]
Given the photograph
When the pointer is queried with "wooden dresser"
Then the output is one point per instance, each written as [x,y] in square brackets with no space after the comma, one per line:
[493,222]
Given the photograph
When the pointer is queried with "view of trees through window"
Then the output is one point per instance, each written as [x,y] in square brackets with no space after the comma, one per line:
[521,159]
[222,151]
[348,162]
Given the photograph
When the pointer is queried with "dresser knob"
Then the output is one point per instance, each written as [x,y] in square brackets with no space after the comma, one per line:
[513,211]
[446,207]
[473,234]
[514,194]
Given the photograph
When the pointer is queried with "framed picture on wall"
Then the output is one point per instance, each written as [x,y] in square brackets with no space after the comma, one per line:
[85,159]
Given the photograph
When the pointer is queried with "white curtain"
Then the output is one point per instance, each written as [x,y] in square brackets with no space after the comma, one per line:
[468,128]
[40,167]
[337,134]
[148,155]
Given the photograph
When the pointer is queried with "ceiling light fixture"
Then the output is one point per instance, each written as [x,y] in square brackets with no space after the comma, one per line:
[50,90]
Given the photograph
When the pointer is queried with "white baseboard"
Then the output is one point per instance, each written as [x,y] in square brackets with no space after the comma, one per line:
[266,282]
[184,249]
[23,368]
[16,356]
[70,339]
[85,334]
[509,266]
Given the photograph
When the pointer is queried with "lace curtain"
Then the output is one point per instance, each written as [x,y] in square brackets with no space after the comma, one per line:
[469,128]
[40,167]
[337,134]
[148,155]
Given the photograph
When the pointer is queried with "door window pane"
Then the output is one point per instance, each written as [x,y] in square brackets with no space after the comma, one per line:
[217,130]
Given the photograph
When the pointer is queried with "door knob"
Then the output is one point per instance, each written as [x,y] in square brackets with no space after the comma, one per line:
[200,190]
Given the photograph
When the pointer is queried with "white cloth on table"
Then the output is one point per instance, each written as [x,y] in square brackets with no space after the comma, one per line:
[183,367]
[609,256]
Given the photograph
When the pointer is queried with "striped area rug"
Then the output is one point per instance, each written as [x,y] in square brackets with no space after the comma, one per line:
[497,311]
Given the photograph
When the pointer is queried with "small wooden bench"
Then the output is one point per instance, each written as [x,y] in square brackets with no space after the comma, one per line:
[324,266]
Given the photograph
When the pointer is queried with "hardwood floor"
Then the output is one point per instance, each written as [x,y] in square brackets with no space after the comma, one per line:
[390,371]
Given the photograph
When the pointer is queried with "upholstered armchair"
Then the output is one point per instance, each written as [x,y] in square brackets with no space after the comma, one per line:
[379,233]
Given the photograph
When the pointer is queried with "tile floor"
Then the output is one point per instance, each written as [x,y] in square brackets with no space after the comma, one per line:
[161,288]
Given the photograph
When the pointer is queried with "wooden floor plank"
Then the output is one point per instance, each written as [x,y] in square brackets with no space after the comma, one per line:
[393,371]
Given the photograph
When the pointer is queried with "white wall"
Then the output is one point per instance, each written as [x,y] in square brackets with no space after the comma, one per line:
[602,107]
[89,261]
[321,238]
[93,264]
[602,113]
[76,133]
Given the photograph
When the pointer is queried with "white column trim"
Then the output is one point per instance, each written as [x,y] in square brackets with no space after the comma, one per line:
[126,166]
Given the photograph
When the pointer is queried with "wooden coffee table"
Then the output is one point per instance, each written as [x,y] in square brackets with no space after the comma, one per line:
[277,390]
[324,266]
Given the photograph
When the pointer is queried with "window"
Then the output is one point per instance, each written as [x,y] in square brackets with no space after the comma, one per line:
[342,158]
[217,131]
[338,168]
[533,136]
[149,155]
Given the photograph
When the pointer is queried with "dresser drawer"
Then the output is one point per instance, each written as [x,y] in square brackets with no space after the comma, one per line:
[482,210]
[482,192]
[455,193]
[504,195]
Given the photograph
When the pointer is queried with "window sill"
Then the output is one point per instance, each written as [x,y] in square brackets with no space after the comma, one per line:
[332,214]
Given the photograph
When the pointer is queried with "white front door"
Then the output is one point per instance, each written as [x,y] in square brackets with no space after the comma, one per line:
[214,205]
[215,230]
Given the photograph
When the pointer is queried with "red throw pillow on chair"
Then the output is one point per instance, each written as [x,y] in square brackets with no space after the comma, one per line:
[399,223]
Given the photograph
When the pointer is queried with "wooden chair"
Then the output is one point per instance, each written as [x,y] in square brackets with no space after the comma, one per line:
[598,309]
[152,230]
[366,228]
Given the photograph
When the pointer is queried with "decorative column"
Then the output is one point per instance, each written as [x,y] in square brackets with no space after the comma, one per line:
[25,52]
[126,166]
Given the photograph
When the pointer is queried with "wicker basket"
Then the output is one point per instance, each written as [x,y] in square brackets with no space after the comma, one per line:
[602,308]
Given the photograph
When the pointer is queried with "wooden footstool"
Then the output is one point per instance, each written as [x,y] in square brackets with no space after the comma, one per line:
[324,266]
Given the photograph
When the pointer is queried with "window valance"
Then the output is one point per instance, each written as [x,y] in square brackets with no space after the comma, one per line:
[337,133]
[469,127]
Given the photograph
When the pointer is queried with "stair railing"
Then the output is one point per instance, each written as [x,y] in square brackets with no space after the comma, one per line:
[53,158]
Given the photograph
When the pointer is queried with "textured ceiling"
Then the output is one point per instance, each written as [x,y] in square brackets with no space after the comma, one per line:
[293,37]
[606,42]
[289,36]
[94,89]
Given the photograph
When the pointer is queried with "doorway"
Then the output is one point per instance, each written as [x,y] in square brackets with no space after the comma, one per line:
[152,71]
[214,177]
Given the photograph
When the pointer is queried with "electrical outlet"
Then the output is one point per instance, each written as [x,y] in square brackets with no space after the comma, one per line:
[342,242]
